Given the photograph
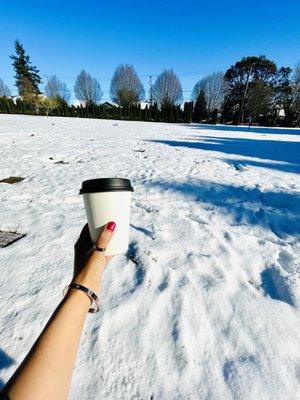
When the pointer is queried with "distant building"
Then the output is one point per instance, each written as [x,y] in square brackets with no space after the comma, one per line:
[15,98]
[109,105]
[144,104]
[79,103]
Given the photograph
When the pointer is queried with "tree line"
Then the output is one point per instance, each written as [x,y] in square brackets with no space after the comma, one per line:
[253,90]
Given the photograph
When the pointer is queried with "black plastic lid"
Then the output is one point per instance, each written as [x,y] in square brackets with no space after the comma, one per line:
[106,185]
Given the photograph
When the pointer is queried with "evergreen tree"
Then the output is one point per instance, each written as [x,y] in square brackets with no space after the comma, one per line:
[283,94]
[242,75]
[25,72]
[139,112]
[171,114]
[200,111]
[118,113]
[187,111]
[214,117]
[145,113]
[177,114]
[259,100]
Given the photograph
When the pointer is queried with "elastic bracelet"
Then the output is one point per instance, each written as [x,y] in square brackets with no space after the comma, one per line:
[92,296]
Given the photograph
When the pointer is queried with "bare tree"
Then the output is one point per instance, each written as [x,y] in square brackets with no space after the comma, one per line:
[167,90]
[215,89]
[198,90]
[296,92]
[126,88]
[56,90]
[297,75]
[87,89]
[46,105]
[4,89]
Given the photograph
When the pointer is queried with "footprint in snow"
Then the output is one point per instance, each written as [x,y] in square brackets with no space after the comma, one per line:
[286,261]
[234,369]
[276,286]
[145,231]
[227,237]
[140,272]
[238,167]
[164,284]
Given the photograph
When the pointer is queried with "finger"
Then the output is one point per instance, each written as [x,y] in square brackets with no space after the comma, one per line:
[84,240]
[106,235]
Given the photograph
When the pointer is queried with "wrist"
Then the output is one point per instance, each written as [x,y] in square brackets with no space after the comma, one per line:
[89,279]
[79,297]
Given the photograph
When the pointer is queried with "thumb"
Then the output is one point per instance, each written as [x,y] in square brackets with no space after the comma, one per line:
[106,235]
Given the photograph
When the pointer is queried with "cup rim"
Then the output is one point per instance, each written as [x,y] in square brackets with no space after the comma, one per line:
[106,185]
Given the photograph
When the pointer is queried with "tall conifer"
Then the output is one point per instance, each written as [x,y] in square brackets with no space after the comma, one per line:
[27,75]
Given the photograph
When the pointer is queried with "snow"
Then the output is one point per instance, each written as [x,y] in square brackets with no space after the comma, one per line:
[206,303]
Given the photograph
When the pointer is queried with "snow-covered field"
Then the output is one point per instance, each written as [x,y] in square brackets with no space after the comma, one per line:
[206,304]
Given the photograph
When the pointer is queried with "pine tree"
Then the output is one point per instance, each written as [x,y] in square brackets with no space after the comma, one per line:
[214,117]
[146,113]
[25,72]
[139,112]
[187,111]
[171,114]
[177,118]
[200,111]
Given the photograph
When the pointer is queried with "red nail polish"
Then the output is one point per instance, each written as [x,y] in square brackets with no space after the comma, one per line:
[111,226]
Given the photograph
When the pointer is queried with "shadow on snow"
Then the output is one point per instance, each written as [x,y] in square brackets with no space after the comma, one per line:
[275,154]
[277,211]
[253,129]
[5,362]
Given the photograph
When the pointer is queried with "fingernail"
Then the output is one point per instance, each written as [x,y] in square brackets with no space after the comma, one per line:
[111,226]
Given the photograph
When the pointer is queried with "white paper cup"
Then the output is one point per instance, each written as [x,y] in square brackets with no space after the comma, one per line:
[108,199]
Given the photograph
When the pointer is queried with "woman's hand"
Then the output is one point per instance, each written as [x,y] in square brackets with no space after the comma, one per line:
[88,263]
[47,369]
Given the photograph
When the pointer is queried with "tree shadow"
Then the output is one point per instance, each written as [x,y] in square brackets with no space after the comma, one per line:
[275,211]
[286,155]
[253,129]
[239,164]
[5,362]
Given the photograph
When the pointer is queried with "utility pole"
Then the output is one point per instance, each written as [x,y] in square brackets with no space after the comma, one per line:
[241,114]
[150,90]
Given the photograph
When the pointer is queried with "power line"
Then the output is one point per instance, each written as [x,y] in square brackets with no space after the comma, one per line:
[150,90]
[109,78]
[72,91]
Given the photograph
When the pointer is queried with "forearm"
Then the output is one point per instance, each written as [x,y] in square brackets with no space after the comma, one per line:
[46,372]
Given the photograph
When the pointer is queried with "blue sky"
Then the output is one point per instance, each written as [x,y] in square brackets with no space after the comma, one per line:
[192,37]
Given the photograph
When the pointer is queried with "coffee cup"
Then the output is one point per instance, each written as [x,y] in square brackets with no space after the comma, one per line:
[108,199]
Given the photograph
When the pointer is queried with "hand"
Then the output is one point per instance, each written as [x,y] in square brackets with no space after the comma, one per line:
[88,263]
